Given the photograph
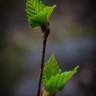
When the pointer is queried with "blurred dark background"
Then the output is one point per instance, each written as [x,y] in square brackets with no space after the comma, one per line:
[72,39]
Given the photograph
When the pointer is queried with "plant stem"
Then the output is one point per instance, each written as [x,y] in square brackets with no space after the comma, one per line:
[45,32]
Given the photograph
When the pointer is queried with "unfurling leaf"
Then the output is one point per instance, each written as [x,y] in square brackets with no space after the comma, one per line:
[37,13]
[50,69]
[53,78]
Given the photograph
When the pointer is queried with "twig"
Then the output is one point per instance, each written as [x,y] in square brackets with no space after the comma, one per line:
[45,32]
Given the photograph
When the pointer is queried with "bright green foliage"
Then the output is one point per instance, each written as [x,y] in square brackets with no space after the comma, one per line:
[53,78]
[51,68]
[37,13]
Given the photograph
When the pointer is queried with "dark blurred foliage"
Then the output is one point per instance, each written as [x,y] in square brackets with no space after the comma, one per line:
[72,39]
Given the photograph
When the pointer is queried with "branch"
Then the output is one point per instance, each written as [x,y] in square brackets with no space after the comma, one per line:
[45,32]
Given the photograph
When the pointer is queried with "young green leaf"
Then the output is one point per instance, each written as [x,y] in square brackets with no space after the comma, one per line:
[37,13]
[53,79]
[51,68]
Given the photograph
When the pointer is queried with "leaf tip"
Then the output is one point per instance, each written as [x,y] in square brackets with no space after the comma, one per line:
[76,68]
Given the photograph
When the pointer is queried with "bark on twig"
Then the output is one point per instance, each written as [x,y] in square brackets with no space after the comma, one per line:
[45,32]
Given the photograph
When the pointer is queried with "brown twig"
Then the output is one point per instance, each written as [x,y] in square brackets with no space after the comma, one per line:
[45,32]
